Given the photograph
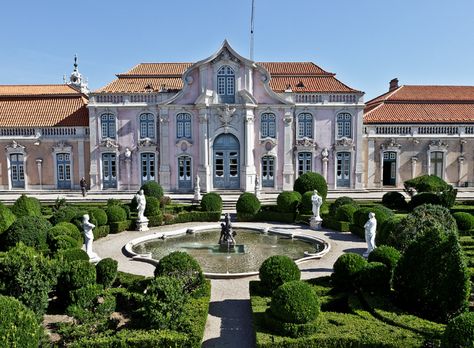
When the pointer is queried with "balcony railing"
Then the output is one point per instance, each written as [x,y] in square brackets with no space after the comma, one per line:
[46,132]
[419,130]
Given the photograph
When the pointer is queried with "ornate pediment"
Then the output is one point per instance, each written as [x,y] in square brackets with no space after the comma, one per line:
[438,145]
[146,142]
[15,147]
[226,55]
[306,142]
[184,144]
[62,147]
[391,145]
[225,115]
[269,144]
[109,143]
[344,144]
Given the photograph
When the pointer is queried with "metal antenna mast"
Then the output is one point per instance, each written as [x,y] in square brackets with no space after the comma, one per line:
[251,29]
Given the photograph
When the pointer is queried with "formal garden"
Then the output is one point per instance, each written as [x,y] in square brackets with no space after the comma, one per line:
[413,290]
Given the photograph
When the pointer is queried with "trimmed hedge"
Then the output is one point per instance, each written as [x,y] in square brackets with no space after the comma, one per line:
[26,206]
[211,201]
[18,325]
[30,230]
[277,270]
[374,277]
[394,200]
[346,268]
[346,212]
[196,216]
[7,218]
[100,215]
[152,207]
[425,198]
[101,231]
[425,183]
[459,332]
[152,189]
[66,214]
[387,255]
[269,213]
[339,202]
[309,182]
[73,229]
[116,213]
[70,255]
[388,232]
[182,266]
[288,201]
[464,221]
[307,203]
[247,204]
[120,226]
[341,226]
[65,230]
[106,270]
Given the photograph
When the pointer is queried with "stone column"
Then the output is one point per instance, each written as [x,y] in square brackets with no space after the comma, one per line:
[460,169]
[204,169]
[165,170]
[325,160]
[288,169]
[95,154]
[371,163]
[250,172]
[414,159]
[39,165]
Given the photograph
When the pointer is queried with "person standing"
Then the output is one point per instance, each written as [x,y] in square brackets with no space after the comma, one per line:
[83,185]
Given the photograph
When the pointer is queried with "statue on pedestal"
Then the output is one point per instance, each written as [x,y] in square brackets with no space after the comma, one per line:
[87,227]
[227,235]
[197,188]
[317,202]
[370,229]
[141,205]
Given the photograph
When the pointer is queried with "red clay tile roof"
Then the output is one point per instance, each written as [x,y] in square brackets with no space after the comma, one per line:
[42,106]
[283,74]
[422,104]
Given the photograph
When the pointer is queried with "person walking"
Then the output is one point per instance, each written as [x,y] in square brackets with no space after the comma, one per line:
[83,184]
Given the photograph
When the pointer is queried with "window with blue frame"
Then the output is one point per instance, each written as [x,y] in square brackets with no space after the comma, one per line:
[305,162]
[305,125]
[268,125]
[147,126]
[183,125]
[107,124]
[344,125]
[226,84]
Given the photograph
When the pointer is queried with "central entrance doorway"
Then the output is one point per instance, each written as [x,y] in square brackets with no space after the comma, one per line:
[226,162]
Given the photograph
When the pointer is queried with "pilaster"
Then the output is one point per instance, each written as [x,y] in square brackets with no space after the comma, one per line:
[288,168]
[250,172]
[165,170]
[204,150]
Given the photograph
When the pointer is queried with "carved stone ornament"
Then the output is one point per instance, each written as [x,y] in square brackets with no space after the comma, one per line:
[325,152]
[390,144]
[62,147]
[269,143]
[306,142]
[109,143]
[184,144]
[14,147]
[438,145]
[225,55]
[225,114]
[146,142]
[345,142]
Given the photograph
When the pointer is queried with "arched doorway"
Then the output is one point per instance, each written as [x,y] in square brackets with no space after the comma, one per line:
[226,162]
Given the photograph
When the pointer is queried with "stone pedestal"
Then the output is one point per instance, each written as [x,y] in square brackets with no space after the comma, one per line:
[93,257]
[315,223]
[142,225]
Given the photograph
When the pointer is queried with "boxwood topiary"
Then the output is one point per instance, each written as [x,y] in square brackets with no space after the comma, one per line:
[459,332]
[346,212]
[346,268]
[62,242]
[295,302]
[66,214]
[387,255]
[7,218]
[18,325]
[276,270]
[183,266]
[62,230]
[394,200]
[152,189]
[69,255]
[425,198]
[387,234]
[30,230]
[374,277]
[211,201]
[106,272]
[425,183]
[26,206]
[311,181]
[78,274]
[152,207]
[100,215]
[306,202]
[464,221]
[288,201]
[339,202]
[73,230]
[247,204]
[116,213]
[361,216]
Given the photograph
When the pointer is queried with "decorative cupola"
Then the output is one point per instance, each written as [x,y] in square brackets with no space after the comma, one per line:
[76,80]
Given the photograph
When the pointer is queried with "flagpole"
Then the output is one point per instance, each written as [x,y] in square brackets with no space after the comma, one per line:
[251,29]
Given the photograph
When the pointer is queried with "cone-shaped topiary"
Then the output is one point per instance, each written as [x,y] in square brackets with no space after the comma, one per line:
[276,270]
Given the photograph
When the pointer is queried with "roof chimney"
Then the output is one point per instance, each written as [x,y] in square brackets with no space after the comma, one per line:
[393,84]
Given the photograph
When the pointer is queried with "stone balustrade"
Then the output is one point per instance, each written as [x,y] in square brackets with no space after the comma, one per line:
[419,130]
[47,132]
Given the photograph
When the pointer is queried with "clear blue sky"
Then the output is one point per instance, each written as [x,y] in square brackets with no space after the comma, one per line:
[365,42]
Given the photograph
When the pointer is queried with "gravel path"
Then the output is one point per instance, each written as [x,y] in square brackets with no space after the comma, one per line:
[229,322]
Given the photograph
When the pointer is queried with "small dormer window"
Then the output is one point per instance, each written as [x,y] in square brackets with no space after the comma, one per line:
[300,84]
[226,84]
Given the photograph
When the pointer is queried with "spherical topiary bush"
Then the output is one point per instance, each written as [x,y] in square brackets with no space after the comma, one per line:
[288,201]
[339,202]
[183,266]
[276,270]
[394,200]
[311,181]
[64,214]
[211,201]
[62,242]
[116,213]
[385,254]
[464,221]
[387,233]
[425,198]
[295,302]
[306,202]
[459,332]
[100,215]
[106,272]
[152,189]
[346,212]
[31,230]
[247,204]
[7,218]
[19,326]
[26,206]
[374,277]
[73,230]
[62,230]
[346,268]
[152,207]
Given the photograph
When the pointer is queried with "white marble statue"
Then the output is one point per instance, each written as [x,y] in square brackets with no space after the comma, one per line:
[87,227]
[197,188]
[317,202]
[370,228]
[141,205]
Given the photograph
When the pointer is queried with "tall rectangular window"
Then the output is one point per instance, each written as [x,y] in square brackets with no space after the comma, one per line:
[147,126]
[344,125]
[267,124]
[108,125]
[305,125]
[304,162]
[183,125]
[436,159]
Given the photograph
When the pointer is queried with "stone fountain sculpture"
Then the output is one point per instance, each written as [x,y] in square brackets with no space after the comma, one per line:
[227,235]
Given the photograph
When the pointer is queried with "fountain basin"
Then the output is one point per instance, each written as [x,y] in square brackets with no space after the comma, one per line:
[254,245]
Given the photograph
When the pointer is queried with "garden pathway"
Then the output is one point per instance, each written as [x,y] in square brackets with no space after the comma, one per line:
[229,322]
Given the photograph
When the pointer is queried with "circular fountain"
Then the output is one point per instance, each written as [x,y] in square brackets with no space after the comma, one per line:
[230,251]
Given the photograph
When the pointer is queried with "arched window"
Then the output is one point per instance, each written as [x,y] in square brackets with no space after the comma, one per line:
[305,125]
[226,84]
[183,125]
[268,126]
[344,125]
[107,123]
[147,126]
